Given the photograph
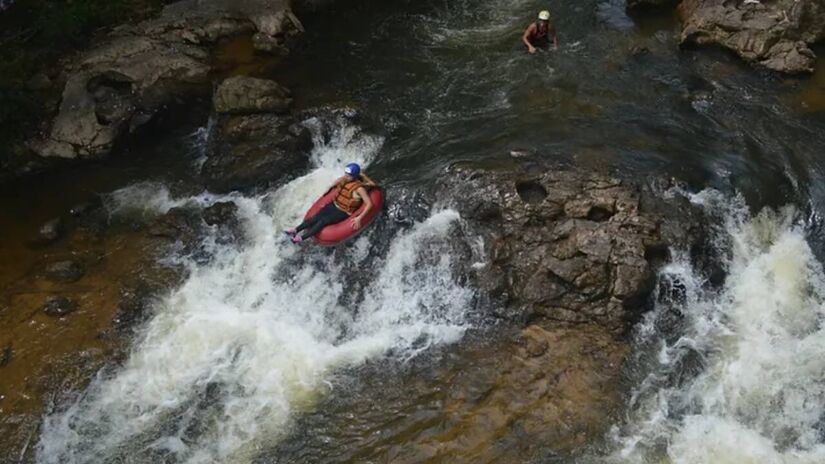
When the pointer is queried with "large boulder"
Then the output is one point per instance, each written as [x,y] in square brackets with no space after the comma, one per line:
[244,95]
[775,34]
[119,86]
[255,151]
[563,245]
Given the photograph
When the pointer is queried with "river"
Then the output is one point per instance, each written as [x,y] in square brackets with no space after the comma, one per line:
[260,333]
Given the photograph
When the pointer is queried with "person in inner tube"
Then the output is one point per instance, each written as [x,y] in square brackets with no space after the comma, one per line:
[538,33]
[352,193]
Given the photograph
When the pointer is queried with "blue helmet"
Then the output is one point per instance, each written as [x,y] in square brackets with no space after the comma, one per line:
[353,169]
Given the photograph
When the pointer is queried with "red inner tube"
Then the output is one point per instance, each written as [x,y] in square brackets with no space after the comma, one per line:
[334,234]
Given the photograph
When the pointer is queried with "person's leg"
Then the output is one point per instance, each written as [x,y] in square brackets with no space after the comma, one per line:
[308,223]
[329,215]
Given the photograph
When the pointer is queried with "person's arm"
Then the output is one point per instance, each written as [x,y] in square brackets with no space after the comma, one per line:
[362,192]
[555,39]
[526,38]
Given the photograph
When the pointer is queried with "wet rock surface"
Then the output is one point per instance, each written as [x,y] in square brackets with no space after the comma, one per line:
[58,306]
[64,271]
[243,95]
[120,85]
[180,224]
[774,34]
[531,396]
[224,217]
[567,246]
[255,151]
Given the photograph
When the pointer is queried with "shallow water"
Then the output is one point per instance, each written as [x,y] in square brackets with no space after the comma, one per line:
[258,334]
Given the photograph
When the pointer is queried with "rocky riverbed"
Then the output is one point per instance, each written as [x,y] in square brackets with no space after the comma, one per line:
[561,262]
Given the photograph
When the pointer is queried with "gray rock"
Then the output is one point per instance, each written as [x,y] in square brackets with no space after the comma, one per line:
[564,245]
[133,308]
[244,95]
[178,224]
[223,213]
[116,87]
[268,44]
[774,34]
[59,306]
[255,151]
[64,271]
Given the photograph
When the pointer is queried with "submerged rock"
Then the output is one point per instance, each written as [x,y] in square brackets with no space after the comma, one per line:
[50,232]
[538,393]
[556,390]
[774,34]
[59,306]
[121,84]
[564,245]
[224,216]
[64,271]
[6,354]
[243,95]
[180,224]
[222,213]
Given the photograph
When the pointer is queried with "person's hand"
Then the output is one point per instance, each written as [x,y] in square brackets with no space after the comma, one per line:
[356,223]
[532,50]
[555,47]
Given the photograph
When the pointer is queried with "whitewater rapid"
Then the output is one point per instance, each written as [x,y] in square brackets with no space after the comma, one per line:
[744,379]
[256,334]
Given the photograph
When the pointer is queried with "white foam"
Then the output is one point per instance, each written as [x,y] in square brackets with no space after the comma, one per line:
[252,338]
[761,395]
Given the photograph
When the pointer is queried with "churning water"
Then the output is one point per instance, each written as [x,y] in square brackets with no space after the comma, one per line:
[741,376]
[724,375]
[254,335]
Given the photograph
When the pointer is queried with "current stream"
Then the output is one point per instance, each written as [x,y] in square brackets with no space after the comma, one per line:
[257,333]
[252,336]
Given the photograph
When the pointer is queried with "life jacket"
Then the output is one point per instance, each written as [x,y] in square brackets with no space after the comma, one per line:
[346,201]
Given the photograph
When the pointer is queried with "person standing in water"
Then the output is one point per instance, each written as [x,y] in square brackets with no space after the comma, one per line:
[539,32]
[352,193]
